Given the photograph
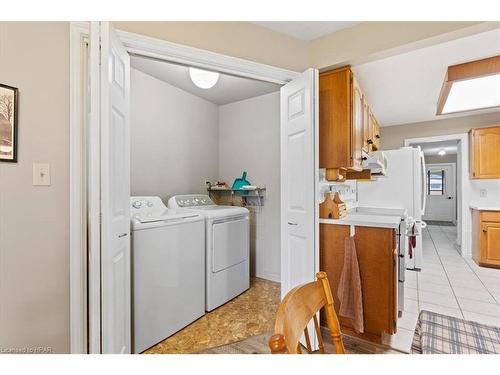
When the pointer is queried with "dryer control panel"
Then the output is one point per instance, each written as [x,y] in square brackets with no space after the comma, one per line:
[191,200]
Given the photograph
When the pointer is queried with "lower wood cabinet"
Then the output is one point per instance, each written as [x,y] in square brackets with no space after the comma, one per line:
[486,238]
[377,257]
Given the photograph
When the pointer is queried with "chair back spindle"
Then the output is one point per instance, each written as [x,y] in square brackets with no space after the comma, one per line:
[301,305]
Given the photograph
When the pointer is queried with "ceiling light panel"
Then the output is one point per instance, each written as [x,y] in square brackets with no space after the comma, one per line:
[472,94]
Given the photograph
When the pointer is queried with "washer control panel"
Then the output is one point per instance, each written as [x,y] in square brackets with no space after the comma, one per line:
[146,203]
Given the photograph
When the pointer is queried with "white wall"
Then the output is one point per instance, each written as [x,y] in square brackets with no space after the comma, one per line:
[492,188]
[34,220]
[249,133]
[174,139]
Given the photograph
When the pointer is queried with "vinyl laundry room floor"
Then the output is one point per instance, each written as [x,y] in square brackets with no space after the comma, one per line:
[249,314]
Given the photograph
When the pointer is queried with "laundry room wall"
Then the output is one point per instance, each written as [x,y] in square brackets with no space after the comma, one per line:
[174,139]
[249,140]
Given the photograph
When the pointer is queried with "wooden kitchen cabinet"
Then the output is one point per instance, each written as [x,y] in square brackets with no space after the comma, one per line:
[486,238]
[340,131]
[374,134]
[485,152]
[348,129]
[366,126]
[378,270]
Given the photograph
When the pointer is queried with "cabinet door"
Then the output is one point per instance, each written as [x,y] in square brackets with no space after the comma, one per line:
[366,125]
[357,124]
[490,244]
[485,152]
[376,135]
[335,129]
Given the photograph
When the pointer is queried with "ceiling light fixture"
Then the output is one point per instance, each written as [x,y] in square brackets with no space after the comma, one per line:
[204,79]
[470,86]
[442,152]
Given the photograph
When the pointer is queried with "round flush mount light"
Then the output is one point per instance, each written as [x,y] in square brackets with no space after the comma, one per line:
[442,152]
[204,79]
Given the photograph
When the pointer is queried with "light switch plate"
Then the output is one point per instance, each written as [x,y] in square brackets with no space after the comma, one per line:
[483,193]
[41,174]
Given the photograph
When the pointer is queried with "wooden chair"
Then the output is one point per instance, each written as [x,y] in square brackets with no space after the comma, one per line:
[297,309]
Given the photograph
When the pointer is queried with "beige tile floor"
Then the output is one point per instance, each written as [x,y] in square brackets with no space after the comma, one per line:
[448,283]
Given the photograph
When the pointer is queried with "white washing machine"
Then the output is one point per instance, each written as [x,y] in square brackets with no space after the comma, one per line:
[168,270]
[227,247]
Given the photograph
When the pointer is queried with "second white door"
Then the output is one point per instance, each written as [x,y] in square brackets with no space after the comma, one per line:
[441,192]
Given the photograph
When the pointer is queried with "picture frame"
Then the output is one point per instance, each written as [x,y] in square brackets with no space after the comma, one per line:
[8,123]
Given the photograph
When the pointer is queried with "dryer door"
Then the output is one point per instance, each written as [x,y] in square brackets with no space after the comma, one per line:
[230,243]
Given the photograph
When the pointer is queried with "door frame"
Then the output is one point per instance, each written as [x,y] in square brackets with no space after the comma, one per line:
[85,214]
[454,181]
[463,188]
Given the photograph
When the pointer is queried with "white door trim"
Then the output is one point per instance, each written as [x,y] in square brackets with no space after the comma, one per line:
[463,189]
[78,218]
[142,45]
[89,210]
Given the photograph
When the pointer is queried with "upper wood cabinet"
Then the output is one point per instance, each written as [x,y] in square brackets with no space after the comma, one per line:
[374,139]
[347,127]
[339,145]
[485,152]
[366,126]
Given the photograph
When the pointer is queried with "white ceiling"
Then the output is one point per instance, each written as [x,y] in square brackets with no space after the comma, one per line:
[405,88]
[228,89]
[306,30]
[432,148]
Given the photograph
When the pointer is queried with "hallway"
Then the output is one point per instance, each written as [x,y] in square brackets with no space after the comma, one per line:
[448,284]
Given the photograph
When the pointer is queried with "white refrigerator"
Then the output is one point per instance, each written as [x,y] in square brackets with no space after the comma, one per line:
[404,186]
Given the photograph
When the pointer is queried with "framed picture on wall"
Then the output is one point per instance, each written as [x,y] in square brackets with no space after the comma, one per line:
[8,124]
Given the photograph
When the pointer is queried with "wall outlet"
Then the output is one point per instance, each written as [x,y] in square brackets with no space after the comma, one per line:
[483,193]
[41,174]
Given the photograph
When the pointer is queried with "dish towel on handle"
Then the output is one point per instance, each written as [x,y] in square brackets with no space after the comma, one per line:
[412,241]
[349,291]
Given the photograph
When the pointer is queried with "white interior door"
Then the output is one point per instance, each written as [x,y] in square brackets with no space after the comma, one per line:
[114,92]
[441,192]
[299,161]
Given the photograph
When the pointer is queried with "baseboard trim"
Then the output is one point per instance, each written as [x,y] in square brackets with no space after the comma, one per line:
[269,277]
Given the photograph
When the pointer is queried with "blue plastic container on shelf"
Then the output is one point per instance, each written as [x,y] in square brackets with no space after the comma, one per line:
[239,182]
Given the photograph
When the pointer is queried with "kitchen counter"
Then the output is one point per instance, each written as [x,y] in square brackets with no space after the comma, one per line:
[484,208]
[377,221]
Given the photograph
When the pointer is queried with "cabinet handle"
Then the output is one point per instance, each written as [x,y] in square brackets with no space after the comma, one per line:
[122,235]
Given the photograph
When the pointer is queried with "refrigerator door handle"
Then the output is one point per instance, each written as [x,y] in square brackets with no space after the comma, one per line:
[424,184]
